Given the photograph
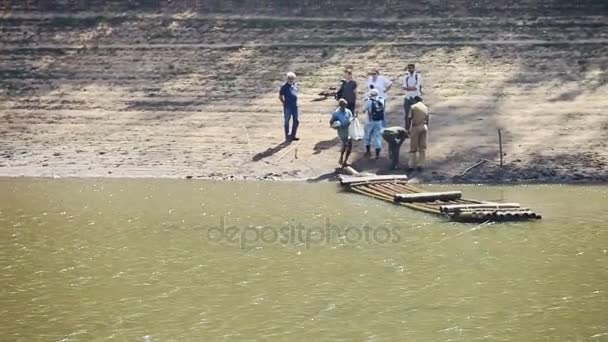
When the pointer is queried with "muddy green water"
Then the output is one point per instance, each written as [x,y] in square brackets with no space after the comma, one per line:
[170,260]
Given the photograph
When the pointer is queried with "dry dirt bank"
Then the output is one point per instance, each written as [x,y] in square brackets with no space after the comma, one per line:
[189,95]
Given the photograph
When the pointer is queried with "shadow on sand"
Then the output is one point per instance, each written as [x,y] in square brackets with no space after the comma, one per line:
[270,151]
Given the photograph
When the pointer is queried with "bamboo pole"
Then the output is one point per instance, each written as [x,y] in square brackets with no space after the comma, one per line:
[366,193]
[377,193]
[428,196]
[345,180]
[456,207]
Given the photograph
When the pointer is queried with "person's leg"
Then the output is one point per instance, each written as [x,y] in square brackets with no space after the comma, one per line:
[412,161]
[341,160]
[389,139]
[421,149]
[395,147]
[343,136]
[349,149]
[377,137]
[286,118]
[413,149]
[393,153]
[296,122]
[421,158]
[368,137]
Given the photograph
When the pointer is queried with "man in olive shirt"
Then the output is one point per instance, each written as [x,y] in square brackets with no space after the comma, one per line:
[394,136]
[419,126]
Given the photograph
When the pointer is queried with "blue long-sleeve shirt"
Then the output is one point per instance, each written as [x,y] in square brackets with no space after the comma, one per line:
[344,116]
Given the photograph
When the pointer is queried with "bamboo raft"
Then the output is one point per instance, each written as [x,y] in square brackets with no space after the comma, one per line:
[395,189]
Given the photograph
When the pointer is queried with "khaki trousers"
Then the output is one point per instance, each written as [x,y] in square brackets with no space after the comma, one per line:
[418,145]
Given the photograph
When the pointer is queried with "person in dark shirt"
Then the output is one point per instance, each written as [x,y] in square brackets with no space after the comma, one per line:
[349,90]
[289,98]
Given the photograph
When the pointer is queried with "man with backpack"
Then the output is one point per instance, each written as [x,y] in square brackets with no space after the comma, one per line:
[412,84]
[373,128]
[382,84]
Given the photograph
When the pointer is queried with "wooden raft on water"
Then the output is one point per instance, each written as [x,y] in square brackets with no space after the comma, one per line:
[395,189]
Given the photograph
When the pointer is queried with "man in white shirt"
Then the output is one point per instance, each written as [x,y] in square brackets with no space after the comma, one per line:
[412,84]
[382,85]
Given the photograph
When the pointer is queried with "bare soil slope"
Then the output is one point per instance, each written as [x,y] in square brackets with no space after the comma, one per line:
[159,90]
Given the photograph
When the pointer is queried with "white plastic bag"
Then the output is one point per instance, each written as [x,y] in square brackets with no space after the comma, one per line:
[355,130]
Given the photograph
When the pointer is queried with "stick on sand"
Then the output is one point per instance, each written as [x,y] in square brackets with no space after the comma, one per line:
[286,152]
[248,140]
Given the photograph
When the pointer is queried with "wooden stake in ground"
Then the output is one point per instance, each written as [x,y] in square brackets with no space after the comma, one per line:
[500,145]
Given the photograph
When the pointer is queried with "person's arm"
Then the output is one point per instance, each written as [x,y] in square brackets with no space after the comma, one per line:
[409,129]
[366,106]
[405,86]
[282,95]
[340,91]
[420,83]
[402,138]
[387,86]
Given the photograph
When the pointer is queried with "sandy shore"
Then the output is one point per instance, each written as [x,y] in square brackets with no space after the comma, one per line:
[191,97]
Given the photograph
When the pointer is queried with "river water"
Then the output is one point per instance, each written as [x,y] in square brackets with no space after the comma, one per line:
[173,260]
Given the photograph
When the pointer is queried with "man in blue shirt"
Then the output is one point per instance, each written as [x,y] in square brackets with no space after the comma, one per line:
[289,98]
[340,120]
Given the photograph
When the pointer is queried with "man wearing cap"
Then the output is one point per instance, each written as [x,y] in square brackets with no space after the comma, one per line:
[382,85]
[288,95]
[340,120]
[412,85]
[419,126]
[373,128]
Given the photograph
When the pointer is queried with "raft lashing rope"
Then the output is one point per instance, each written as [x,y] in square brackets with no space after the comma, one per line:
[395,189]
